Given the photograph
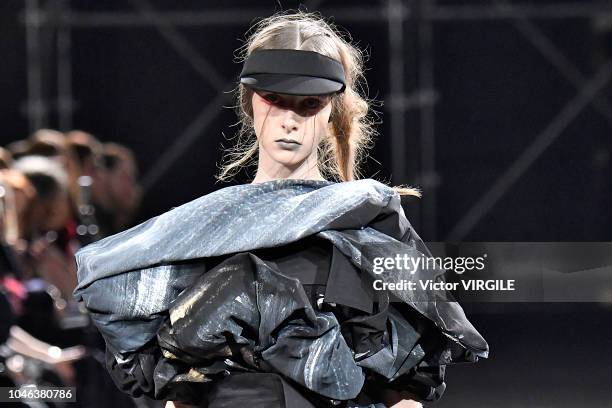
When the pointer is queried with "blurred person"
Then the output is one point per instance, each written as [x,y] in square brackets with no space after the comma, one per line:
[18,148]
[51,244]
[54,145]
[88,150]
[10,268]
[50,180]
[88,189]
[48,143]
[44,355]
[53,353]
[30,252]
[6,158]
[16,308]
[9,217]
[18,197]
[40,308]
[90,192]
[35,333]
[45,362]
[124,192]
[6,321]
[12,292]
[16,193]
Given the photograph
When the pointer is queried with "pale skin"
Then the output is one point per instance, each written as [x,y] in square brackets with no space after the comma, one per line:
[289,129]
[300,120]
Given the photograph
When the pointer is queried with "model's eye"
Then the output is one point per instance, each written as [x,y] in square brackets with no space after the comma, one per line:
[272,98]
[311,103]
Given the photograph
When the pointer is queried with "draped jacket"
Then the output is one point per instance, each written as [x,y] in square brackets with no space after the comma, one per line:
[273,277]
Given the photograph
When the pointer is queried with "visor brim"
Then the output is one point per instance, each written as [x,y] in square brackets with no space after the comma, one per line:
[292,84]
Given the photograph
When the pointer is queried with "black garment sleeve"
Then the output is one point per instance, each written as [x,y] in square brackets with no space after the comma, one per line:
[416,368]
[134,378]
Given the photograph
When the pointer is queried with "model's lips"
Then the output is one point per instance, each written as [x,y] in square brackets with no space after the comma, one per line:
[288,141]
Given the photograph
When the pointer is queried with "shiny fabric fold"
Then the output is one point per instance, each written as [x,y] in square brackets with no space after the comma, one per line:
[254,316]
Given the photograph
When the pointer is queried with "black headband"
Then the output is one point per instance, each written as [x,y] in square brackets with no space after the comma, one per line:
[293,72]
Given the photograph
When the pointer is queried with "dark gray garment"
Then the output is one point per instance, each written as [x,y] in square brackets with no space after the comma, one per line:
[128,281]
[245,310]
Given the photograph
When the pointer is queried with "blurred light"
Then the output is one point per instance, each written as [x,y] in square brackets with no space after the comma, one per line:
[60,304]
[15,363]
[53,291]
[54,352]
[51,236]
[84,181]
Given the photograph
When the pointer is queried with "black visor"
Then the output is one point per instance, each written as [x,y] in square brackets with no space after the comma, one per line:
[293,72]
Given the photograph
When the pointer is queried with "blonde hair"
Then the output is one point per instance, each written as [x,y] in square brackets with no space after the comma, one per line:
[350,131]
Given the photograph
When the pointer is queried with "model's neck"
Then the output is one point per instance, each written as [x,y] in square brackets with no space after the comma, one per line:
[262,176]
[268,170]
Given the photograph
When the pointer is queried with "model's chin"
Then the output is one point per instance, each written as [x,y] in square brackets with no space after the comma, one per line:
[288,158]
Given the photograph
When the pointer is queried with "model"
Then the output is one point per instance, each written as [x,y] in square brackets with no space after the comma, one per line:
[262,293]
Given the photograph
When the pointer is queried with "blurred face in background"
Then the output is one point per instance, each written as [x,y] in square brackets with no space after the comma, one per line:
[52,212]
[100,182]
[122,186]
[58,211]
[19,194]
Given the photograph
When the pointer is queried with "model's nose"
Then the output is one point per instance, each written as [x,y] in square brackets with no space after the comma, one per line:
[289,123]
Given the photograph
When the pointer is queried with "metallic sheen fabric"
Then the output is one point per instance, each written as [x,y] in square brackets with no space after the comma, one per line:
[151,283]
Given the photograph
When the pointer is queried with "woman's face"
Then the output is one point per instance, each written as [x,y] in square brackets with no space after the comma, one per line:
[54,212]
[289,128]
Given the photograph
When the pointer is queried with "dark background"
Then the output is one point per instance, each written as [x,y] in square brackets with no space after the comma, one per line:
[498,83]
